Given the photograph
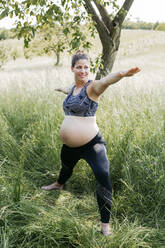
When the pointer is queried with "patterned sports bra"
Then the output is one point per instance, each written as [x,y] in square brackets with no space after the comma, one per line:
[80,104]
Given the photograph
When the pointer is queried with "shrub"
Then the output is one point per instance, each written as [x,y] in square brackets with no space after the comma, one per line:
[3,56]
[161,26]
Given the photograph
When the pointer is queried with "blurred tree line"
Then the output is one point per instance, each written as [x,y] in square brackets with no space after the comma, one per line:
[6,34]
[143,25]
[8,49]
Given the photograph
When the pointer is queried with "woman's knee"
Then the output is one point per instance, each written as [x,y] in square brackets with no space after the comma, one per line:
[102,172]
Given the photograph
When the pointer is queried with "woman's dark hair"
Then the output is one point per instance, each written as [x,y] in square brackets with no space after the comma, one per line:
[79,55]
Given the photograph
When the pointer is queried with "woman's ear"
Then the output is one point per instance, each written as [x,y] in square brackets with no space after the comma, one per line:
[72,68]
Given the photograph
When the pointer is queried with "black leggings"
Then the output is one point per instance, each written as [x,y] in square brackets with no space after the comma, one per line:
[95,155]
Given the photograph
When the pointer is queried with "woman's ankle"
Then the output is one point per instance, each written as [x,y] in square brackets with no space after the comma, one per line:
[59,184]
[105,229]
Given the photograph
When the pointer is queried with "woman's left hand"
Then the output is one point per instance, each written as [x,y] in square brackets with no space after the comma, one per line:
[130,72]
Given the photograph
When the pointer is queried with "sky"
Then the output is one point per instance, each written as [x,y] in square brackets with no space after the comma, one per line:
[144,10]
[147,10]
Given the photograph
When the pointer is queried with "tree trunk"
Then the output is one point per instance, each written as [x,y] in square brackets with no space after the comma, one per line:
[57,51]
[57,57]
[109,31]
[109,52]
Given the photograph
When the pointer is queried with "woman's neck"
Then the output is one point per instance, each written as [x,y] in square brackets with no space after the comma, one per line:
[80,84]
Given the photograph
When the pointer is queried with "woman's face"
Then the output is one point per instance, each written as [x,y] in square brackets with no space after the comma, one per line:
[81,70]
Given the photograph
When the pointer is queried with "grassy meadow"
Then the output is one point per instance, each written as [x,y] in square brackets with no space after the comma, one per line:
[131,117]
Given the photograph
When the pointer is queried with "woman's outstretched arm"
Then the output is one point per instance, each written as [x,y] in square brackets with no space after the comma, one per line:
[63,90]
[99,86]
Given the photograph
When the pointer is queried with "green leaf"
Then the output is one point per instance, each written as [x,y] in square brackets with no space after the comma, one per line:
[33,32]
[27,11]
[11,14]
[66,31]
[42,2]
[26,43]
[38,17]
[31,13]
[63,2]
[25,24]
[4,13]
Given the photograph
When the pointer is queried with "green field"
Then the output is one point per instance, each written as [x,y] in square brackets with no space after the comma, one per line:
[131,117]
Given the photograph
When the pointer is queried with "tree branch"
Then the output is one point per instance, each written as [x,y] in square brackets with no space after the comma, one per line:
[123,11]
[90,10]
[104,15]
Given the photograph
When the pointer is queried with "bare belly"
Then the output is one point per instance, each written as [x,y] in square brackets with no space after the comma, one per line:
[76,131]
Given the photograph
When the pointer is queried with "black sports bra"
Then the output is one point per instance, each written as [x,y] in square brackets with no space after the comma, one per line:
[80,104]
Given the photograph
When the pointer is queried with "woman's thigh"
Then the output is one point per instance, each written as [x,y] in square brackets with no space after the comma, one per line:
[69,156]
[96,157]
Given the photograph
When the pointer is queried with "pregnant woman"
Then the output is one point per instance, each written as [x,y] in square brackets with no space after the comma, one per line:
[80,133]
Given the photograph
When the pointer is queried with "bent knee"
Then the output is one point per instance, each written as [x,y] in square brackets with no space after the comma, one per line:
[102,173]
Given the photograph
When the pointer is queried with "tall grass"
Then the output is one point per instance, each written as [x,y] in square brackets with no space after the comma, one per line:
[132,120]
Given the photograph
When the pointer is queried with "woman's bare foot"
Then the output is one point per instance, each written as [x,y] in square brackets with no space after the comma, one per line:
[105,229]
[55,185]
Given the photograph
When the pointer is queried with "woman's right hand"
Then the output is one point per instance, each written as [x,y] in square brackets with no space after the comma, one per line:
[63,90]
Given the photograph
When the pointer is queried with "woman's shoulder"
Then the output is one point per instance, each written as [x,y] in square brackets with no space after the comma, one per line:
[91,94]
